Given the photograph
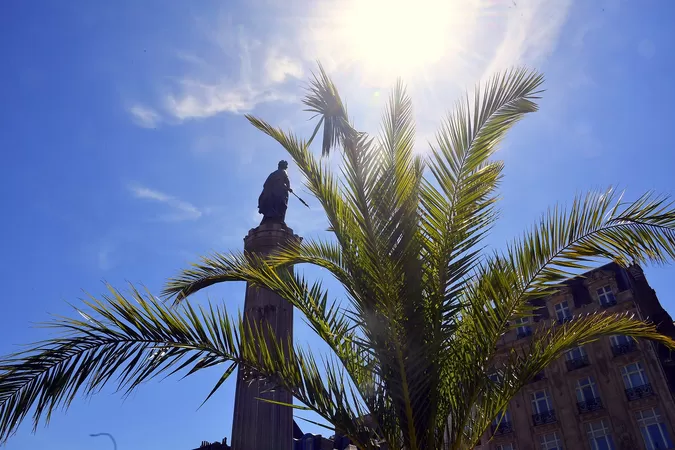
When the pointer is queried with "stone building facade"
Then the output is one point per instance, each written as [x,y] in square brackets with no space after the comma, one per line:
[612,394]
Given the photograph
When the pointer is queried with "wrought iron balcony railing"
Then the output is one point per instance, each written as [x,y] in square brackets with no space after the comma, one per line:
[577,363]
[543,418]
[591,404]
[504,427]
[564,319]
[608,303]
[637,392]
[622,349]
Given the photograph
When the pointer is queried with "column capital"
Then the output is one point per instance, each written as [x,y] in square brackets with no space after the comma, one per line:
[267,237]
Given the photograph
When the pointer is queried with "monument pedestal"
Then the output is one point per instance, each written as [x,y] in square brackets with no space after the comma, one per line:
[258,425]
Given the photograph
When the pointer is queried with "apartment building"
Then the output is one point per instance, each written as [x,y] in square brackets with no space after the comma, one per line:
[612,394]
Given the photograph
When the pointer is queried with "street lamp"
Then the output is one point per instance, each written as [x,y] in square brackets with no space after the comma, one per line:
[109,435]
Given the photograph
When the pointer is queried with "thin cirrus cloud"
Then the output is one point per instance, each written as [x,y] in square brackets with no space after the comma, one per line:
[531,33]
[179,210]
[144,116]
[202,92]
[199,100]
[479,39]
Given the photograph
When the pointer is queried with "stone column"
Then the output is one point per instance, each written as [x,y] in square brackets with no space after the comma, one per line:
[258,425]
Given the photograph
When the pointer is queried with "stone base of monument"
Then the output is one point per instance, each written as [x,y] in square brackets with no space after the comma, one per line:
[259,425]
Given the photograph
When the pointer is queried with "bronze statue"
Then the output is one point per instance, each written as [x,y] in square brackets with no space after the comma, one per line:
[273,201]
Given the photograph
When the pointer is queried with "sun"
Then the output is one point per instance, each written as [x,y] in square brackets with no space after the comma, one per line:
[403,37]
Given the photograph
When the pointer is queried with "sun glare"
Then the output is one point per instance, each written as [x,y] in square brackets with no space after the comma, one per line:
[401,37]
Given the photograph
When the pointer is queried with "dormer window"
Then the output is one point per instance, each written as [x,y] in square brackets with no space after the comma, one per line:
[606,296]
[562,312]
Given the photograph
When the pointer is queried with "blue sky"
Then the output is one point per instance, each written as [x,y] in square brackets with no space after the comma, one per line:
[126,155]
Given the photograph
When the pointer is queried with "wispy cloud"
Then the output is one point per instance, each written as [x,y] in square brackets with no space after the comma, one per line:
[236,70]
[209,85]
[279,67]
[144,116]
[180,210]
[199,100]
[531,33]
[196,99]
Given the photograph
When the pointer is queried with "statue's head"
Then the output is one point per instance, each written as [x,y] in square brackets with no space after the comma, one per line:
[283,165]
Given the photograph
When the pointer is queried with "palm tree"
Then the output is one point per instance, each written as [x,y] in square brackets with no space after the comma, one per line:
[414,340]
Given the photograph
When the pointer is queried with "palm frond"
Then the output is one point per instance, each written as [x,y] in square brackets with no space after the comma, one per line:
[456,216]
[396,189]
[324,101]
[311,300]
[133,341]
[598,225]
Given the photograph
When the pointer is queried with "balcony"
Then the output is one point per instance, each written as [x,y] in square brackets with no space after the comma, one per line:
[592,404]
[564,319]
[608,304]
[520,334]
[622,349]
[577,363]
[638,392]
[543,418]
[504,427]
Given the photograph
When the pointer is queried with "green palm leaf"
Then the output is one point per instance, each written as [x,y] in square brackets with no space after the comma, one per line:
[129,342]
[324,101]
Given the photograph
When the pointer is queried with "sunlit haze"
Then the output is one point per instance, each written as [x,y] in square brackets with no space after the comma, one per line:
[403,37]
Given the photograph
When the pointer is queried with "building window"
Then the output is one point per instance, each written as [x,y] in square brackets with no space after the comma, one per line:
[502,423]
[653,429]
[508,446]
[551,442]
[541,401]
[587,395]
[575,353]
[606,296]
[576,358]
[542,408]
[503,416]
[599,436]
[633,375]
[621,339]
[635,380]
[586,389]
[622,344]
[562,312]
[524,329]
